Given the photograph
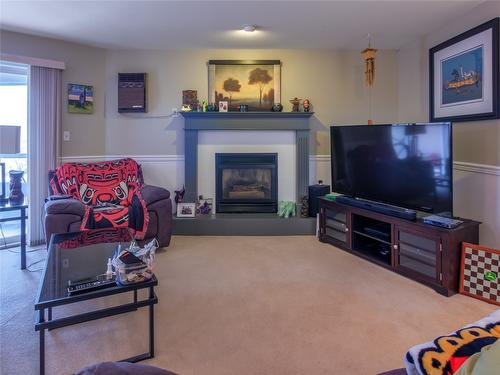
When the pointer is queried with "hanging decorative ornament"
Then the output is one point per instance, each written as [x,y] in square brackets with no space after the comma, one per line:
[369,55]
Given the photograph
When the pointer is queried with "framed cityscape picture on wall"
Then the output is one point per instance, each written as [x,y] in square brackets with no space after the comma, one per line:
[252,83]
[464,77]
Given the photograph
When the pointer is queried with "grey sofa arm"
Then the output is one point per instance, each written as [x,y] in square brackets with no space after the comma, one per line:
[63,216]
[68,206]
[152,194]
[159,207]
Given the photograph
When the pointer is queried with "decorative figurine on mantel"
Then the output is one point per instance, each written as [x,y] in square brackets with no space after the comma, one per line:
[204,106]
[306,104]
[295,102]
[189,97]
[277,107]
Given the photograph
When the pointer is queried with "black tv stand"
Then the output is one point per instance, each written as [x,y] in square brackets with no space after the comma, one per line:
[386,209]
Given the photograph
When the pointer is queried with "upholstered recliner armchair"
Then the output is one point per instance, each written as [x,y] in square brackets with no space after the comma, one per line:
[106,195]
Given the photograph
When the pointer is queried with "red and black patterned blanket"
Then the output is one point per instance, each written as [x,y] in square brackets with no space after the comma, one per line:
[110,190]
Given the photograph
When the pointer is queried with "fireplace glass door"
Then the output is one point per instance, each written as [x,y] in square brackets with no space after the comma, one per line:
[246,183]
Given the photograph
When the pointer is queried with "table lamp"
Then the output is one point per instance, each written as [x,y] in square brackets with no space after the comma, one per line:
[10,143]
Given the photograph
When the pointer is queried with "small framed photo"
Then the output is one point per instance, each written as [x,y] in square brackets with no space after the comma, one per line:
[223,105]
[186,209]
[205,206]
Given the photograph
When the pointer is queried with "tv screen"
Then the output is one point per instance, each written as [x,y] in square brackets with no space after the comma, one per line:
[403,165]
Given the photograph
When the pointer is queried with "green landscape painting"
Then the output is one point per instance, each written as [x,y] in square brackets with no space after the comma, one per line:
[252,85]
[80,98]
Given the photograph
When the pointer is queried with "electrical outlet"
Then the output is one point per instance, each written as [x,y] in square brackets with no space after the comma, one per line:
[66,135]
[175,112]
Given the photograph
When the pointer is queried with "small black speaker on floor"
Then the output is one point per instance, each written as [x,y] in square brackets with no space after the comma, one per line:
[316,191]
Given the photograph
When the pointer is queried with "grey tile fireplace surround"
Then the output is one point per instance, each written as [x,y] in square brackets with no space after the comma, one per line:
[245,224]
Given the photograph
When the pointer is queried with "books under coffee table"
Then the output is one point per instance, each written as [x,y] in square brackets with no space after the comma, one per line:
[70,259]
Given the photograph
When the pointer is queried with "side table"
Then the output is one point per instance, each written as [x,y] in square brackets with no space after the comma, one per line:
[22,208]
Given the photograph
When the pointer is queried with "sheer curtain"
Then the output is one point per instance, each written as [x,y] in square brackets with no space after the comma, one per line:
[45,108]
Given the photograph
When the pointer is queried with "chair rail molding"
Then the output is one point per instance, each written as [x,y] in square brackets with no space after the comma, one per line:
[458,165]
[168,171]
[477,168]
[138,158]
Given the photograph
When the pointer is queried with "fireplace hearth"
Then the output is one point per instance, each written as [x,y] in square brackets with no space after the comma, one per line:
[246,182]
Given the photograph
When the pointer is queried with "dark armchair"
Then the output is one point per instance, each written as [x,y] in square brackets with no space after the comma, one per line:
[71,214]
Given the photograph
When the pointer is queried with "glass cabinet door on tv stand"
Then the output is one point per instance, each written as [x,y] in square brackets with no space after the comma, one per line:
[334,226]
[419,254]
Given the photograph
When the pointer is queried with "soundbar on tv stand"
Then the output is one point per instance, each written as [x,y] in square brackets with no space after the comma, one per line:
[387,209]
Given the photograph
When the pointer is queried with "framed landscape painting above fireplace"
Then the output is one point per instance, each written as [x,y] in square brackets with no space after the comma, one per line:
[255,83]
[463,76]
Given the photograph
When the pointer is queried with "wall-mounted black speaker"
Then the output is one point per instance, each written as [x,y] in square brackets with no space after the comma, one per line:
[132,92]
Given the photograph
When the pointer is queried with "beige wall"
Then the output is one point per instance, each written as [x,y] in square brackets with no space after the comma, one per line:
[332,80]
[84,65]
[473,142]
[476,189]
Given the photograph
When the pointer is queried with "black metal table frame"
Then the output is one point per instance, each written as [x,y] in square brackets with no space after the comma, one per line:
[42,324]
[23,216]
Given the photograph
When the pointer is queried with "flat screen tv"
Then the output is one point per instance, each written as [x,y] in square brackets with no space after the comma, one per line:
[405,165]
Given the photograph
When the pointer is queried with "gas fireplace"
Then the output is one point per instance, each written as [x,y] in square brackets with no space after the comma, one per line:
[246,182]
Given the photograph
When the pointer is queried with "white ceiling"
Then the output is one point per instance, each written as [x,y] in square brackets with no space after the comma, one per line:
[214,24]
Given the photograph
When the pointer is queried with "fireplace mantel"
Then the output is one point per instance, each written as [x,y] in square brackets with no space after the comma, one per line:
[245,121]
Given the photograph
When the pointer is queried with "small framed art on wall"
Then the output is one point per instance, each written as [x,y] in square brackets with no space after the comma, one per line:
[464,77]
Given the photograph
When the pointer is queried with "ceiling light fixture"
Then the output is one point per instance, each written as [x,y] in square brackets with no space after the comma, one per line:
[249,28]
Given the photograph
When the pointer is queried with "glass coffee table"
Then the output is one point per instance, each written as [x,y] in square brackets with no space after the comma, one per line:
[80,256]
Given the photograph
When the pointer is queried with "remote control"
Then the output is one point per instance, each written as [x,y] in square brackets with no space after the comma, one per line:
[441,221]
[90,285]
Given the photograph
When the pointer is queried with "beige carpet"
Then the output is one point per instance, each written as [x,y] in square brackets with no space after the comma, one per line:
[244,305]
